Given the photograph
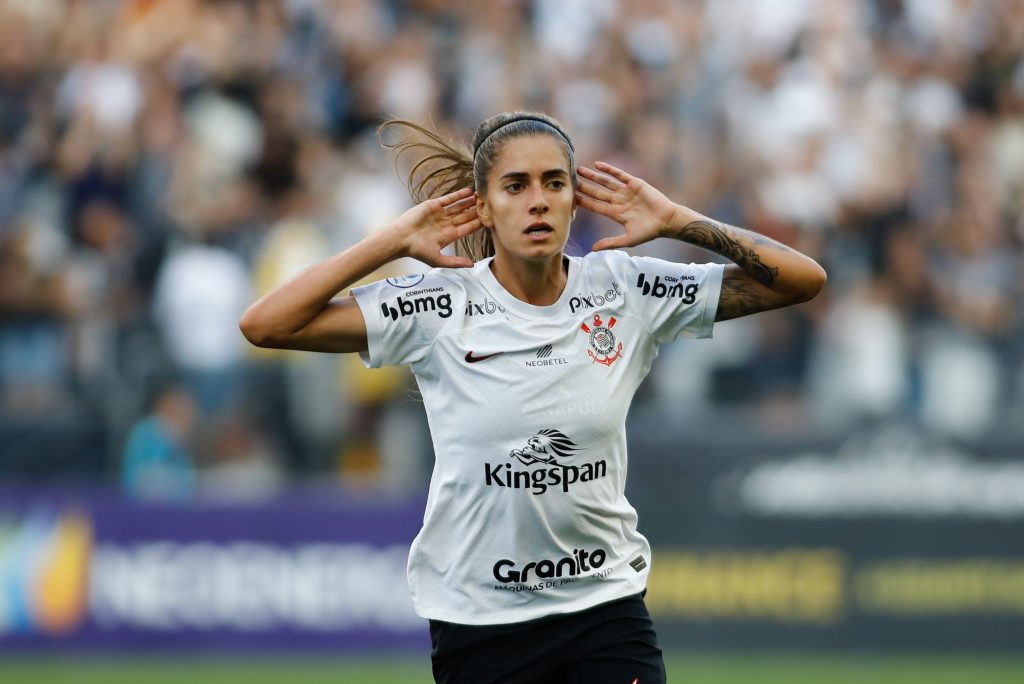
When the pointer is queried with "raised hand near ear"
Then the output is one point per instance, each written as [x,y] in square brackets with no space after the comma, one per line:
[644,212]
[431,226]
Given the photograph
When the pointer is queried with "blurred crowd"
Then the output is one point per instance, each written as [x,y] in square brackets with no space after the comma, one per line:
[164,162]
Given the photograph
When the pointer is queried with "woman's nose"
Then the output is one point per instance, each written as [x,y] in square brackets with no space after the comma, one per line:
[538,202]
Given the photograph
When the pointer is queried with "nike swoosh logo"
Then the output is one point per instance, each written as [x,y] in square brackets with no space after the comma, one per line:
[473,359]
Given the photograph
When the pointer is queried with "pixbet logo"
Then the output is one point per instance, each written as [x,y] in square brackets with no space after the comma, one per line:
[487,307]
[579,562]
[594,299]
[659,290]
[441,305]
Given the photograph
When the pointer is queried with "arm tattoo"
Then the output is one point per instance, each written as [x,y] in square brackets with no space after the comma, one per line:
[741,296]
[711,235]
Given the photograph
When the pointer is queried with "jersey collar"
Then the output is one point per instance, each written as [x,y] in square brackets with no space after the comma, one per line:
[522,308]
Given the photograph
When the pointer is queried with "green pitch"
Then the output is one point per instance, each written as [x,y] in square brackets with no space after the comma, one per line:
[723,668]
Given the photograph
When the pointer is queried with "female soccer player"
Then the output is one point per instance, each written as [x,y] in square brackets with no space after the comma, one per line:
[529,565]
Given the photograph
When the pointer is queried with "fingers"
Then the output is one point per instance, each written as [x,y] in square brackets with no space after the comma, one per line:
[453,197]
[591,204]
[595,191]
[616,242]
[463,217]
[460,205]
[599,178]
[448,261]
[467,228]
[614,171]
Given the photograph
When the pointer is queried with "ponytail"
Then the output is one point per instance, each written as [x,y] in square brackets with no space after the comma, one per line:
[442,167]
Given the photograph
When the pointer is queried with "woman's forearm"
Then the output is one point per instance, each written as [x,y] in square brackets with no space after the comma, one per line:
[772,264]
[289,308]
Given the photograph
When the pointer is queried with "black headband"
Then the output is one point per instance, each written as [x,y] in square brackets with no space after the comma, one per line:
[525,117]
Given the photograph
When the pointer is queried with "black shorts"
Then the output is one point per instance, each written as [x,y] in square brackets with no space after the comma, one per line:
[613,643]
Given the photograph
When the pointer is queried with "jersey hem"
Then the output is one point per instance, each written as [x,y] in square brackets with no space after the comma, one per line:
[712,302]
[522,615]
[371,358]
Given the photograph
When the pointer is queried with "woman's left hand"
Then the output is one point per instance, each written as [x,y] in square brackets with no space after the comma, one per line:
[643,211]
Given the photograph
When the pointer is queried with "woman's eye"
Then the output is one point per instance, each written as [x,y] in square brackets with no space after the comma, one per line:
[557,184]
[514,187]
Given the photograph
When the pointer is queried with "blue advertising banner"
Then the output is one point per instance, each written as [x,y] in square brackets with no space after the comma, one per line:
[87,569]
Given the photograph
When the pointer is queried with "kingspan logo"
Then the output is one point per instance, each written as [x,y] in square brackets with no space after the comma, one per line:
[659,290]
[546,448]
[411,304]
[579,562]
[595,299]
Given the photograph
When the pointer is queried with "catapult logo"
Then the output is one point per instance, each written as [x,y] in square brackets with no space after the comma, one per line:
[565,570]
[546,450]
[595,299]
[418,301]
[659,290]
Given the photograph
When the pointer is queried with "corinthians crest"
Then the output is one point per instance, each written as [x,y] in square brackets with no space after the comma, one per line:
[604,348]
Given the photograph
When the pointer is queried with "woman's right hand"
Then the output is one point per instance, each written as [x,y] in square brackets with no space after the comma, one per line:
[431,226]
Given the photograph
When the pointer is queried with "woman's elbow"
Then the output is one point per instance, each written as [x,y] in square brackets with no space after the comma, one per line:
[812,283]
[257,332]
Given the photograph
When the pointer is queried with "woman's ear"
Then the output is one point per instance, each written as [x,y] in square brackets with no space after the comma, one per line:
[483,211]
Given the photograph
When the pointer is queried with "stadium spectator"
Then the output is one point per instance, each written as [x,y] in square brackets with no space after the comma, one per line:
[157,464]
[885,139]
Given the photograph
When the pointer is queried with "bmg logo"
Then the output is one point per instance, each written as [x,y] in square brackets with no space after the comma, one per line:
[659,290]
[441,305]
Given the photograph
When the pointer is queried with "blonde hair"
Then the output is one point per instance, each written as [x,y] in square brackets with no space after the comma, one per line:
[443,166]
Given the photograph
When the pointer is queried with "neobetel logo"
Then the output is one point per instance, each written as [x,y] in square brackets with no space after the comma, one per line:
[544,447]
[579,562]
[411,304]
[659,290]
[487,307]
[595,299]
[544,358]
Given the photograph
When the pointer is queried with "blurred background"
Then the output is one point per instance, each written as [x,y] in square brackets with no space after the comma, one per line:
[843,476]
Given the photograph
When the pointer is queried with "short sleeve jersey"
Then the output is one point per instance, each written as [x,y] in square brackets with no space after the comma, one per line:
[526,514]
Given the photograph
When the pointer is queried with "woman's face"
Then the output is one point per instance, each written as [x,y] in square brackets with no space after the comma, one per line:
[529,201]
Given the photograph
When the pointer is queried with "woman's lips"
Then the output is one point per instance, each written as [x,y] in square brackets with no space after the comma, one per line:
[539,231]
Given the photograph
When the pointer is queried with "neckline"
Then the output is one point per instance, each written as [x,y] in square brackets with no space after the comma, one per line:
[509,301]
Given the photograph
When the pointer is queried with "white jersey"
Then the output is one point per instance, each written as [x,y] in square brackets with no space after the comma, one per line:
[527,514]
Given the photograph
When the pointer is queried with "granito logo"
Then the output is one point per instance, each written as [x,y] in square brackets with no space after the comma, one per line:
[659,290]
[406,280]
[441,305]
[594,299]
[545,447]
[579,562]
[484,309]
